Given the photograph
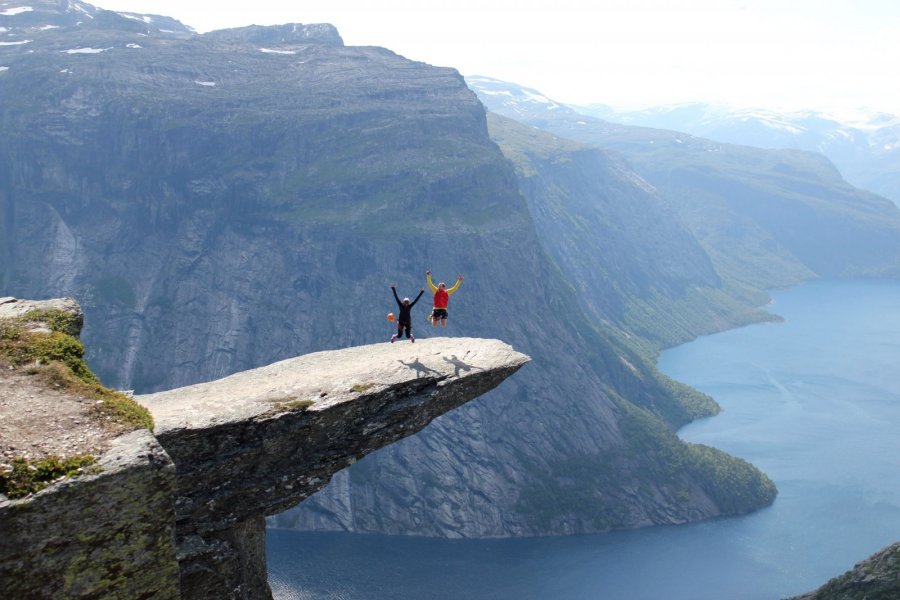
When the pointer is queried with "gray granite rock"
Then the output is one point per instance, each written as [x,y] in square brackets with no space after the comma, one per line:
[102,535]
[260,441]
[12,307]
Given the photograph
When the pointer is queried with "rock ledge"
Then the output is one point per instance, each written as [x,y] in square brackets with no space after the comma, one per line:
[258,442]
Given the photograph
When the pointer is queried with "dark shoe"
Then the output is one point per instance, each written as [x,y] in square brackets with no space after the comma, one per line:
[393,338]
[412,338]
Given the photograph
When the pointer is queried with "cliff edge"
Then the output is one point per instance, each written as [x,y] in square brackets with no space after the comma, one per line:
[181,512]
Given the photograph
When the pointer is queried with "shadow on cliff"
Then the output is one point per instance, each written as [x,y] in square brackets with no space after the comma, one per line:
[421,369]
[459,365]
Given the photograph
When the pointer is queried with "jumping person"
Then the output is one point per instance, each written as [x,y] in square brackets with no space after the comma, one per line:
[404,319]
[441,298]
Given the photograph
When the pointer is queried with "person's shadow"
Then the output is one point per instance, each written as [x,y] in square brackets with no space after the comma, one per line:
[459,365]
[421,370]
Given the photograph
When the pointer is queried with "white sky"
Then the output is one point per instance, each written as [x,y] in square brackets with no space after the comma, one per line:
[781,54]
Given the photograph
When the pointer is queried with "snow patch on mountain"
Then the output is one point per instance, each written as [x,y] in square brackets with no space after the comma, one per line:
[17,10]
[79,7]
[271,51]
[495,87]
[85,50]
[862,118]
[142,18]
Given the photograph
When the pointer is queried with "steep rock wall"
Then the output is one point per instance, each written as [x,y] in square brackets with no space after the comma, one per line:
[218,206]
[108,534]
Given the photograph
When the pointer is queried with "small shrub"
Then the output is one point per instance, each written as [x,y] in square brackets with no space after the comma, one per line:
[56,346]
[359,388]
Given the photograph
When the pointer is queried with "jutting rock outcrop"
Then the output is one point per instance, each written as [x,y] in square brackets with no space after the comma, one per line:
[180,512]
[259,442]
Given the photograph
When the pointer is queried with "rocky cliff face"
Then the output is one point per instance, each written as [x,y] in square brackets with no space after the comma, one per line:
[105,534]
[876,578]
[222,456]
[108,532]
[224,201]
[620,241]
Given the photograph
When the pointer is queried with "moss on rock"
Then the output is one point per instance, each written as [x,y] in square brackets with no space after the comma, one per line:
[27,477]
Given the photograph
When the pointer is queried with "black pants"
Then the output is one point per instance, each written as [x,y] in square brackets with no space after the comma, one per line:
[401,327]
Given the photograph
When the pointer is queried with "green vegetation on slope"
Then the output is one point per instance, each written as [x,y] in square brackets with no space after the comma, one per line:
[57,358]
[635,262]
[678,472]
[876,578]
[735,485]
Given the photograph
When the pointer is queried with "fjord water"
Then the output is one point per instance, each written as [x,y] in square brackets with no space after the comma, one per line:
[813,401]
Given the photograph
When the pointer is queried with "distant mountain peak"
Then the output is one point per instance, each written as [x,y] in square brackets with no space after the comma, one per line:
[512,95]
[20,18]
[25,21]
[280,34]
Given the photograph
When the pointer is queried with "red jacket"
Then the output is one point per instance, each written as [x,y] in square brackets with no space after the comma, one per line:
[441,297]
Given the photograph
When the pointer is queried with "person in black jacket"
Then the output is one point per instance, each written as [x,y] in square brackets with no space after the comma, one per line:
[404,318]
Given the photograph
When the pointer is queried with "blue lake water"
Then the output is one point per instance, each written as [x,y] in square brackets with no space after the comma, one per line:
[813,401]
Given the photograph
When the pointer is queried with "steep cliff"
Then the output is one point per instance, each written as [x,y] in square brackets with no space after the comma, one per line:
[620,240]
[223,201]
[876,578]
[180,512]
[767,218]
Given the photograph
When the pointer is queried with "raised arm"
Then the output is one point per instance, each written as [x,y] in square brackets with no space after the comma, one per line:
[396,297]
[413,303]
[459,279]
[431,285]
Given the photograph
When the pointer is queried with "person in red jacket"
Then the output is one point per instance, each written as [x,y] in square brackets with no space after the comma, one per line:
[441,299]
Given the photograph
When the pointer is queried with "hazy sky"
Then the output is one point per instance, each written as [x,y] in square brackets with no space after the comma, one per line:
[763,53]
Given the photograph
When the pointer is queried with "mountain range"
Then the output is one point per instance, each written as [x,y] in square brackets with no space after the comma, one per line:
[863,144]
